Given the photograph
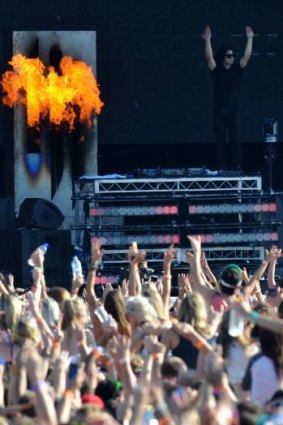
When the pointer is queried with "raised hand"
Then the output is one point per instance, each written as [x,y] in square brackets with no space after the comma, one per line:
[11,282]
[184,284]
[188,257]
[169,256]
[273,254]
[203,260]
[37,258]
[195,242]
[245,276]
[106,289]
[96,251]
[135,256]
[249,32]
[125,288]
[206,35]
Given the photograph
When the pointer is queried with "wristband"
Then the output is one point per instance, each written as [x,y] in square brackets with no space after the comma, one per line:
[56,344]
[92,268]
[38,386]
[167,276]
[39,319]
[124,360]
[68,394]
[156,356]
[253,316]
[96,354]
[164,420]
[199,345]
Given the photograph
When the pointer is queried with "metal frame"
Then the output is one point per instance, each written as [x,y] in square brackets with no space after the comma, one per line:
[215,254]
[89,187]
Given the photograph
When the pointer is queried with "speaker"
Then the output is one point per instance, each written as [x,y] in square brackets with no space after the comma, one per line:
[57,268]
[39,213]
[7,216]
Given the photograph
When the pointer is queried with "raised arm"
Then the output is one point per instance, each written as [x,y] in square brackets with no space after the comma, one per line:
[206,35]
[169,256]
[135,258]
[199,284]
[249,48]
[96,255]
[254,280]
[274,254]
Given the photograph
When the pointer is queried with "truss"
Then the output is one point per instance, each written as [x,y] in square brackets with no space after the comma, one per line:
[90,187]
[224,254]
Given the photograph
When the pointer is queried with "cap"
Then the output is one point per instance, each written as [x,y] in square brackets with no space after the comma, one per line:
[92,399]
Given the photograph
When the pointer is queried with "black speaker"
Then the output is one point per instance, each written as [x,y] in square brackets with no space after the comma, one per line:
[39,213]
[7,216]
[57,264]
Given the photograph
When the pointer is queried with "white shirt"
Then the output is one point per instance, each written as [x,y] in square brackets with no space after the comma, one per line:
[264,379]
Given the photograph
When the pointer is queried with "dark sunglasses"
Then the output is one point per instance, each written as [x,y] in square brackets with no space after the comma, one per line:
[276,404]
[230,55]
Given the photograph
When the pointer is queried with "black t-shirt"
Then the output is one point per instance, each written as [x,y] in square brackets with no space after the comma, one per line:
[227,87]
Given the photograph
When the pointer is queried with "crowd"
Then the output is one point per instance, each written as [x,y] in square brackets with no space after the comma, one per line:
[213,356]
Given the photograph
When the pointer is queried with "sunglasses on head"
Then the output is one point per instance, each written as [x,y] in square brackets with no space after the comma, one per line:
[230,55]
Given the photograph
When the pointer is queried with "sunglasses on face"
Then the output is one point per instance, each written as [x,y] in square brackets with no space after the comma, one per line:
[229,55]
[277,404]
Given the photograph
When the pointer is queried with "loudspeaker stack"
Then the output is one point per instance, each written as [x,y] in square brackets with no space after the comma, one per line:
[39,221]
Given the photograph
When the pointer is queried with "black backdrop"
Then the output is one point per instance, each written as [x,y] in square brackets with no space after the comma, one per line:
[153,75]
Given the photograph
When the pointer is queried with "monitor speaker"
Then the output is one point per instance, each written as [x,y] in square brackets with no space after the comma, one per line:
[39,213]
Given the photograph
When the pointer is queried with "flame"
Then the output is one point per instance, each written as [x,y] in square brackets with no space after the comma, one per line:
[65,98]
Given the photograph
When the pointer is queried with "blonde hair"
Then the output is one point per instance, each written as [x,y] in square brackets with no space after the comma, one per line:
[25,329]
[193,311]
[150,292]
[73,310]
[142,306]
[59,294]
[50,311]
[12,309]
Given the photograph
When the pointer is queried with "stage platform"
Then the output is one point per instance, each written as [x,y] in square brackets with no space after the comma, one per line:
[236,219]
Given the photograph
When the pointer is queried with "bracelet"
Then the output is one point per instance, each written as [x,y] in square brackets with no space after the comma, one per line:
[38,386]
[39,319]
[167,276]
[124,360]
[56,345]
[68,394]
[164,420]
[92,268]
[156,356]
[96,354]
[253,316]
[199,345]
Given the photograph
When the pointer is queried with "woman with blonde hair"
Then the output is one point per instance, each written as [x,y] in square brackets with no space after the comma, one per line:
[11,309]
[143,319]
[192,312]
[149,291]
[73,327]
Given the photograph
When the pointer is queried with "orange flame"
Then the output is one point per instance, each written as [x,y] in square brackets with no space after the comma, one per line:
[65,98]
